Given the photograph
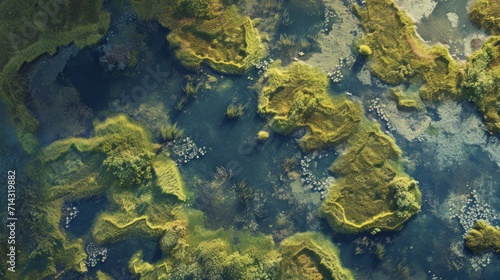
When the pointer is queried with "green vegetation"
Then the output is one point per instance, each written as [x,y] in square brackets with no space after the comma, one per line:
[118,162]
[483,237]
[311,256]
[235,111]
[486,14]
[296,97]
[191,251]
[103,276]
[50,249]
[203,31]
[31,29]
[168,177]
[482,82]
[365,50]
[372,190]
[262,135]
[406,100]
[399,56]
[171,132]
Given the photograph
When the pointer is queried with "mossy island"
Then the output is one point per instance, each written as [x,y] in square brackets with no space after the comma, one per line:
[207,31]
[483,237]
[372,190]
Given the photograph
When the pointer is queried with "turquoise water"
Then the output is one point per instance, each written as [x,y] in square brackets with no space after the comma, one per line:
[448,167]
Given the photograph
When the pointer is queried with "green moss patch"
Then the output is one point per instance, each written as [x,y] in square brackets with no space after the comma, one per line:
[482,82]
[30,29]
[371,191]
[312,256]
[483,237]
[296,97]
[399,56]
[204,31]
[486,14]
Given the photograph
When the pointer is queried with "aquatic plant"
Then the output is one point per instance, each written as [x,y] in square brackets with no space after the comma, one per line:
[379,251]
[311,255]
[287,41]
[262,135]
[191,88]
[244,192]
[182,103]
[486,14]
[222,175]
[482,82]
[27,36]
[400,56]
[483,237]
[235,111]
[171,132]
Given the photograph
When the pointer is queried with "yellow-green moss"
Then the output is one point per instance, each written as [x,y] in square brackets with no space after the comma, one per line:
[52,250]
[482,82]
[103,276]
[365,50]
[296,97]
[486,14]
[213,254]
[406,101]
[483,237]
[74,166]
[30,29]
[369,173]
[168,177]
[262,135]
[203,31]
[371,190]
[400,56]
[311,256]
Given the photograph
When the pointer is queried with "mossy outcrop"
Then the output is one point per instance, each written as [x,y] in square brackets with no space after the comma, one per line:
[204,31]
[51,249]
[483,237]
[30,29]
[400,56]
[141,202]
[296,97]
[486,14]
[195,252]
[406,100]
[371,190]
[312,256]
[482,82]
